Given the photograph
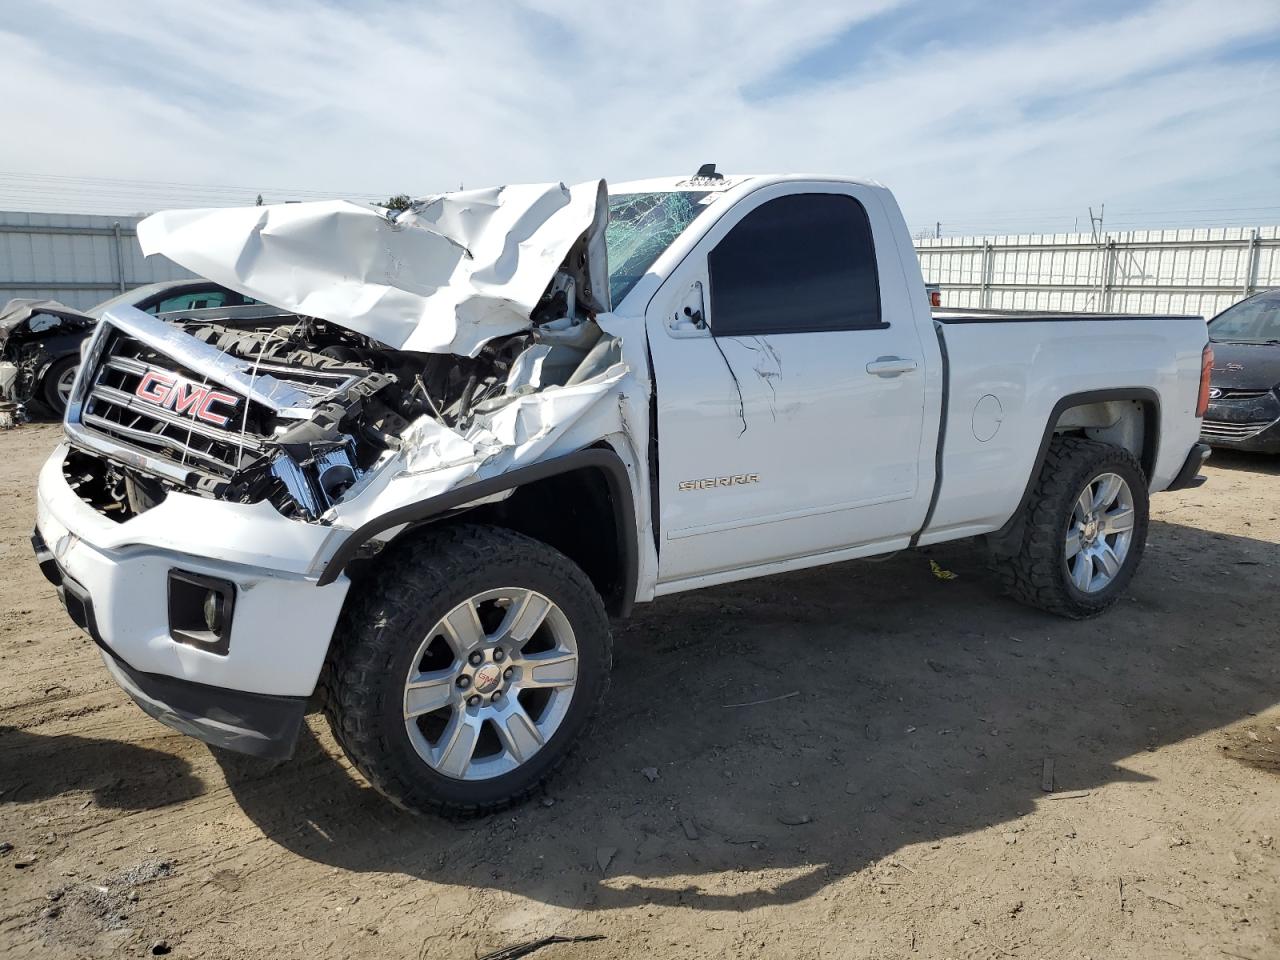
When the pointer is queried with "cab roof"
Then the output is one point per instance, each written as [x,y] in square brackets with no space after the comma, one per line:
[723,183]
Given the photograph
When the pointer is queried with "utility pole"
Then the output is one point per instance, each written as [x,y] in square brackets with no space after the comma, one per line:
[1095,223]
[937,230]
[1099,240]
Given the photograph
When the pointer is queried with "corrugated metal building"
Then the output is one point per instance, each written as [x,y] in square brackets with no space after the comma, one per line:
[1200,271]
[78,259]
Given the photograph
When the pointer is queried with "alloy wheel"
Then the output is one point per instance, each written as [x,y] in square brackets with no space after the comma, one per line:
[490,683]
[1099,533]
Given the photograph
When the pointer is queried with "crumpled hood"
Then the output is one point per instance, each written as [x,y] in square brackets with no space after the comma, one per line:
[17,312]
[444,276]
[21,318]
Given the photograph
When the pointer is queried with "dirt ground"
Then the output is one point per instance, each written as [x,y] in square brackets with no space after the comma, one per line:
[894,807]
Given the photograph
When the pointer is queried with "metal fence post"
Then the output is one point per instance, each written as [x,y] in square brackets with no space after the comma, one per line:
[1108,275]
[985,293]
[1251,265]
[115,230]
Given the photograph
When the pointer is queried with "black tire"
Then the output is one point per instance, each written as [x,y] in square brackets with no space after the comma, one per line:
[1037,574]
[49,383]
[412,588]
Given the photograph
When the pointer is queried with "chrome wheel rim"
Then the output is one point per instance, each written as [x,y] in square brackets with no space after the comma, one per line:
[1099,533]
[62,387]
[490,684]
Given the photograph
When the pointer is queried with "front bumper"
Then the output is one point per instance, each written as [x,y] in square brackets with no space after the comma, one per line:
[1251,423]
[255,723]
[114,579]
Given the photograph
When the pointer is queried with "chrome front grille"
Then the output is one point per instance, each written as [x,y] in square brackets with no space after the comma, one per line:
[138,400]
[114,408]
[1231,393]
[1221,430]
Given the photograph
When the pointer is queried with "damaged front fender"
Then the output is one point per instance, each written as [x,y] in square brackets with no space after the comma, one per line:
[436,460]
[602,458]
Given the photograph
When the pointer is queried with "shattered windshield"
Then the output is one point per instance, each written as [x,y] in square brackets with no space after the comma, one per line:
[641,226]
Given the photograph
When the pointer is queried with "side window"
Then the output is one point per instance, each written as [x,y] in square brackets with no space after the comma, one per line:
[798,264]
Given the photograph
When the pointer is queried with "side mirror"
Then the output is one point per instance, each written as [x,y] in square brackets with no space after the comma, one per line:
[690,318]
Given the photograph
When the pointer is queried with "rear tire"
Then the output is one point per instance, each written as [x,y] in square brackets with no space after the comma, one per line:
[1084,530]
[432,687]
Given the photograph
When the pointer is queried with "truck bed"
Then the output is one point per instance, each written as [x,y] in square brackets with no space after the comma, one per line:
[1004,386]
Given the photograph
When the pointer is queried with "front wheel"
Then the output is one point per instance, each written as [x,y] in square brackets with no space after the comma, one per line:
[463,675]
[57,384]
[1085,530]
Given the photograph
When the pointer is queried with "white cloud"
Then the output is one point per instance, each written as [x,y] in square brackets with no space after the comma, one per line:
[1140,107]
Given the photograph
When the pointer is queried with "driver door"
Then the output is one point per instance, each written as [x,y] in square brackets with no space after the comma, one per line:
[790,386]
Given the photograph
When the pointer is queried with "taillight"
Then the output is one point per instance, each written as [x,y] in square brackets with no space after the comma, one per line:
[1206,371]
[935,298]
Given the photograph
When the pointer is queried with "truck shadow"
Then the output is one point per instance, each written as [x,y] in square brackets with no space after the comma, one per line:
[1237,460]
[923,709]
[121,776]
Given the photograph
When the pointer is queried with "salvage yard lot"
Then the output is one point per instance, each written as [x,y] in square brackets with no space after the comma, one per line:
[892,807]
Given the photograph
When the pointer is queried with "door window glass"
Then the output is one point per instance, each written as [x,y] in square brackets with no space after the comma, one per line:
[797,264]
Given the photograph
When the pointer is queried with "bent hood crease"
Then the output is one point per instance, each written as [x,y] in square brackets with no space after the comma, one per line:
[444,276]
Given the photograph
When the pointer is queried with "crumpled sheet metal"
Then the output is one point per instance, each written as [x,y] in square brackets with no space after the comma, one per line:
[436,458]
[444,276]
[18,312]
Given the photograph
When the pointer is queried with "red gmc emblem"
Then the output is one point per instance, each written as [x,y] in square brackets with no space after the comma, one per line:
[182,396]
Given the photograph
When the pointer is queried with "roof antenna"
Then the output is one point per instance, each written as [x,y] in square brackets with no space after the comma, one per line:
[708,172]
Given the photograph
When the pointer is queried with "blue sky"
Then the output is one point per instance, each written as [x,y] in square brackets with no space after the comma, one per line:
[987,116]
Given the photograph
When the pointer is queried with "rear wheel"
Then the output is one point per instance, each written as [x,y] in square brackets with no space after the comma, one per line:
[1084,532]
[462,677]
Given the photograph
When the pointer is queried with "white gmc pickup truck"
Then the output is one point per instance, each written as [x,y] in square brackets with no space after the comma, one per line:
[414,482]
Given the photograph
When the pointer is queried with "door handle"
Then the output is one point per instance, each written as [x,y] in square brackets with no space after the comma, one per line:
[890,366]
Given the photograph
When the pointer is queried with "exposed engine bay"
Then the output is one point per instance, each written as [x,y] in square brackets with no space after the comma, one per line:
[321,407]
[396,353]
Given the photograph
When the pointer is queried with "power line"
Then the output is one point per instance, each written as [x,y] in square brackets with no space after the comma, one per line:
[1113,226]
[1133,216]
[49,178]
[1260,203]
[118,196]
